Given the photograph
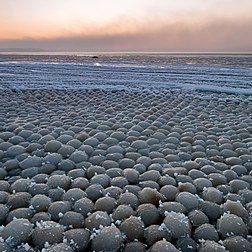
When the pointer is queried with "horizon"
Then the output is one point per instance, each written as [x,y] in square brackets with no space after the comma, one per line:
[100,53]
[31,52]
[184,26]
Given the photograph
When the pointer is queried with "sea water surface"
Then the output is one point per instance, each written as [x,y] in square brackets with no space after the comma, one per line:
[135,72]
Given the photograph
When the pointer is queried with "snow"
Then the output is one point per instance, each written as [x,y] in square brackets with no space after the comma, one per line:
[98,216]
[152,73]
[162,227]
[47,245]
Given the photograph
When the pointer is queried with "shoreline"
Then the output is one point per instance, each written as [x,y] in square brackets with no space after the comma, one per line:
[125,170]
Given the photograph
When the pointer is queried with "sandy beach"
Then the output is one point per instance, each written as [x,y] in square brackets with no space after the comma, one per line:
[93,170]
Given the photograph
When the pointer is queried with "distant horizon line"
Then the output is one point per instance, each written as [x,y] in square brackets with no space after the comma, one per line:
[25,51]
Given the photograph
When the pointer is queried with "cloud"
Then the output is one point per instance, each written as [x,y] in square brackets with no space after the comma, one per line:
[219,35]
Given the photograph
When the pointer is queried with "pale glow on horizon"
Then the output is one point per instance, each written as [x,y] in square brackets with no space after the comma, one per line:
[48,23]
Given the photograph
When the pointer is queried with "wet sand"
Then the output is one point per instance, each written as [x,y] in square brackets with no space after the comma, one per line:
[122,171]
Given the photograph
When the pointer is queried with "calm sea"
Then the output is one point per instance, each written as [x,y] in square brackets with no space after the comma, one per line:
[134,72]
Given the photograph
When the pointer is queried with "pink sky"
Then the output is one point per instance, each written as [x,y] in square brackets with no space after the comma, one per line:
[132,25]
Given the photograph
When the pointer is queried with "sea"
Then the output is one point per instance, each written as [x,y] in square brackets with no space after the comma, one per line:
[221,73]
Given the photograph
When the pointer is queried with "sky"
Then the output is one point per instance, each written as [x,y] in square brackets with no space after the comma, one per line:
[127,25]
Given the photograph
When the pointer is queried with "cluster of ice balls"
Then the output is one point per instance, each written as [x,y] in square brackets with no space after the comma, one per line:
[164,174]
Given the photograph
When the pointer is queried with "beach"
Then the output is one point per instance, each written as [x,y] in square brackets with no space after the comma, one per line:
[121,170]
